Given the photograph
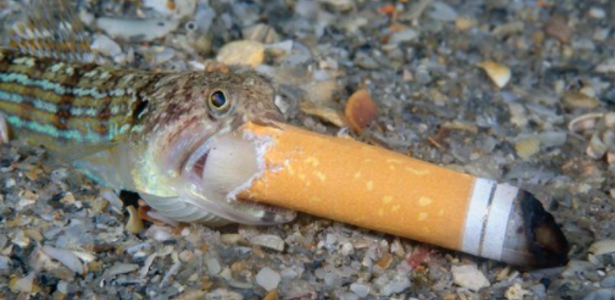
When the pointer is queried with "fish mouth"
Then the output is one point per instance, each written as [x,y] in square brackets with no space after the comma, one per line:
[219,169]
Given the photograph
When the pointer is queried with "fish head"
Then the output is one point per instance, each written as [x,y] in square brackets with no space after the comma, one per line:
[199,155]
[249,97]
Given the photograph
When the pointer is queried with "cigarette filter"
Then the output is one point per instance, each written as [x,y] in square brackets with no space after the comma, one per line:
[348,181]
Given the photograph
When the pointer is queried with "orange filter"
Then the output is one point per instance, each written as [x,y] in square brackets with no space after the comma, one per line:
[344,180]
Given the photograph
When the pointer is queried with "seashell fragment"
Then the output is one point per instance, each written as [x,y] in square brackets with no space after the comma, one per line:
[527,147]
[584,123]
[602,247]
[360,110]
[66,257]
[242,52]
[262,33]
[268,241]
[134,224]
[327,114]
[499,74]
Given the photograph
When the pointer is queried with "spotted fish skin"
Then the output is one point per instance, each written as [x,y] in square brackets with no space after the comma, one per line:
[62,103]
[88,103]
[147,124]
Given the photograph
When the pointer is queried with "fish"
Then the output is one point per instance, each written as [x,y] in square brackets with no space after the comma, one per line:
[129,129]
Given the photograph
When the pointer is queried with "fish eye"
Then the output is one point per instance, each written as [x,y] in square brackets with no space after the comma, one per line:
[218,101]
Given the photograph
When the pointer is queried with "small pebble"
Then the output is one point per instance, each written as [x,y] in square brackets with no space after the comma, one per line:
[5,262]
[470,277]
[608,282]
[558,28]
[340,5]
[597,13]
[213,266]
[361,290]
[602,294]
[465,23]
[406,35]
[539,291]
[580,100]
[397,284]
[146,30]
[442,12]
[106,46]
[607,66]
[223,294]
[63,287]
[242,52]
[527,147]
[268,279]
[515,292]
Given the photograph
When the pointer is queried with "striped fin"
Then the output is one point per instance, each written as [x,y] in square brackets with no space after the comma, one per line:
[52,29]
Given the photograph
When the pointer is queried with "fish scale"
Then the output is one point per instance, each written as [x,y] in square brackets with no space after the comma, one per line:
[142,131]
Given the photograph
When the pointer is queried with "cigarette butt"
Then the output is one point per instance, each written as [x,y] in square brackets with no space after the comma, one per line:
[352,182]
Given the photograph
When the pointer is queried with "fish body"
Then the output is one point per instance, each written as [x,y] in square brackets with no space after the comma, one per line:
[135,130]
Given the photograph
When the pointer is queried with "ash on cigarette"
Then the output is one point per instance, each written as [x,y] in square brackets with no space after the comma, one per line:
[516,91]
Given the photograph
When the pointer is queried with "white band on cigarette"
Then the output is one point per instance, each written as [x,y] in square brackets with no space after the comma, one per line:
[487,218]
[477,213]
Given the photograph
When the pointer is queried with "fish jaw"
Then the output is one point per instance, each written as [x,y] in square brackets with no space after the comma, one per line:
[198,166]
[218,170]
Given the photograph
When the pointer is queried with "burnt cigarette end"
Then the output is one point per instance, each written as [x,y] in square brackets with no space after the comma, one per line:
[546,241]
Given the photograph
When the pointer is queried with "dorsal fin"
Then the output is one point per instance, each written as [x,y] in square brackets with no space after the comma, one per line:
[51,29]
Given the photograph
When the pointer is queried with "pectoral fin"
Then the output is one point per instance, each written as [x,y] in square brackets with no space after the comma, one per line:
[182,211]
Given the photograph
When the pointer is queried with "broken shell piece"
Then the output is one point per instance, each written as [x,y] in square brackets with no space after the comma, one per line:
[596,148]
[340,5]
[25,284]
[585,122]
[85,257]
[66,257]
[242,52]
[326,114]
[609,120]
[268,241]
[516,292]
[464,23]
[360,110]
[526,147]
[499,74]
[4,131]
[134,224]
[231,238]
[321,92]
[602,247]
[580,100]
[262,33]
